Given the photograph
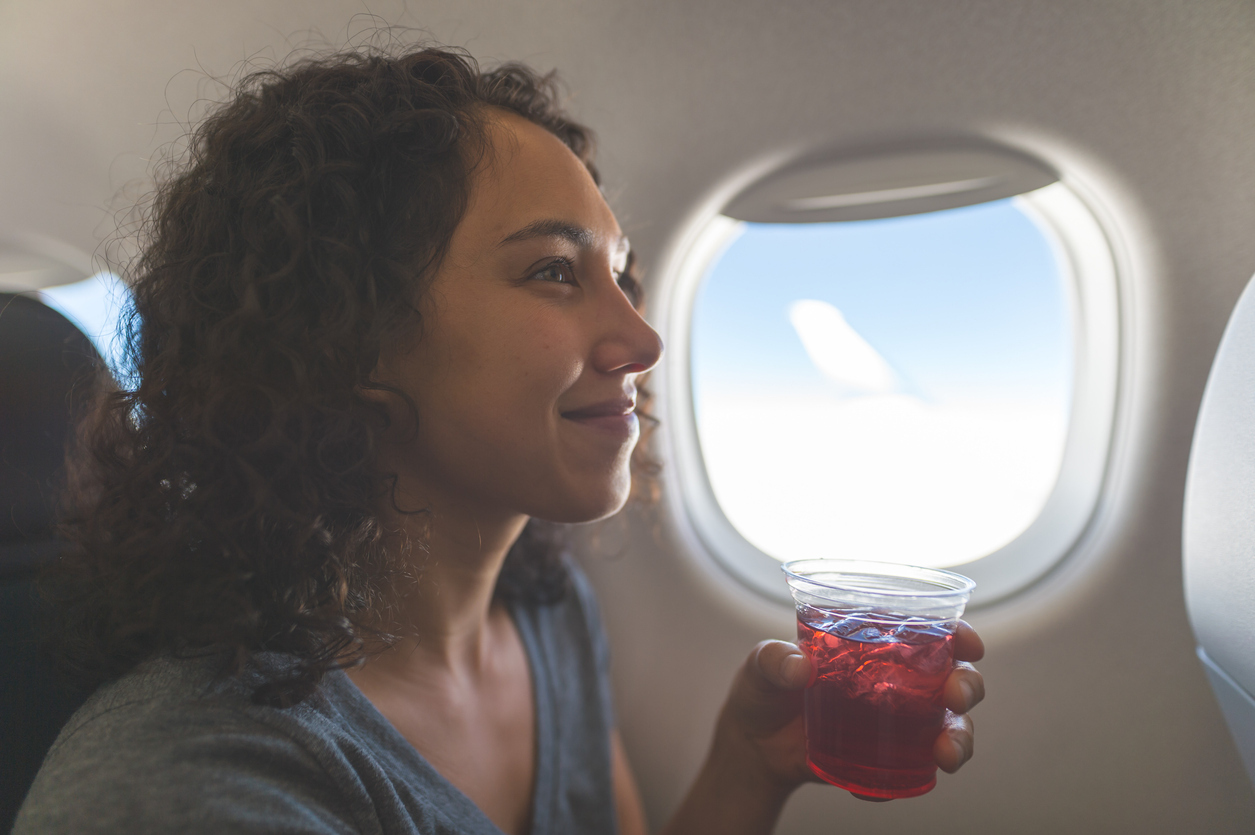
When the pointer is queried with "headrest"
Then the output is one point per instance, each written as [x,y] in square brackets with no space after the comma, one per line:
[1219,533]
[46,366]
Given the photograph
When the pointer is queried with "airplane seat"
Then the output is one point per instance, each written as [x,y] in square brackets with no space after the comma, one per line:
[44,376]
[1219,528]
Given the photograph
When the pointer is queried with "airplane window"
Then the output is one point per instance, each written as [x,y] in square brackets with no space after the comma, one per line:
[890,389]
[935,388]
[96,305]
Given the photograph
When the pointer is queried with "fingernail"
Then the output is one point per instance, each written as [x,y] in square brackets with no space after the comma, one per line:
[793,666]
[957,745]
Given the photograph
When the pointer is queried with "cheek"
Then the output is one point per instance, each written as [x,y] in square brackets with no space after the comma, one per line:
[544,361]
[505,387]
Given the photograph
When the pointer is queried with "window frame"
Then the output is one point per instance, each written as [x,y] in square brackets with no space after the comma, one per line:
[1089,276]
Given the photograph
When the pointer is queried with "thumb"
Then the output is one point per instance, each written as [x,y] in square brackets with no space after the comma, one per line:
[766,693]
[781,665]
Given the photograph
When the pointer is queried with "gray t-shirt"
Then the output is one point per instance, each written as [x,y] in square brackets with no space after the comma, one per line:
[169,749]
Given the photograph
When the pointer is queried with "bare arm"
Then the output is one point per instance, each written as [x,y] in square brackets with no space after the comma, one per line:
[706,794]
[627,799]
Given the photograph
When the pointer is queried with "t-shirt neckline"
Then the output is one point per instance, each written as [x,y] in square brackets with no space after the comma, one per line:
[429,777]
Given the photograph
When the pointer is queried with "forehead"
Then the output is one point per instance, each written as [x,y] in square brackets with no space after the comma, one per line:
[528,174]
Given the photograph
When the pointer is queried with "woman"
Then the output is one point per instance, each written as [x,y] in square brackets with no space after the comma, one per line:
[386,323]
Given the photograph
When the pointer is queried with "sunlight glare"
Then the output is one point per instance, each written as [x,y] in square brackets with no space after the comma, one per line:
[882,477]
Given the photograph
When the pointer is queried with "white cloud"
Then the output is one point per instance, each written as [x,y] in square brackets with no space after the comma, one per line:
[882,477]
[838,351]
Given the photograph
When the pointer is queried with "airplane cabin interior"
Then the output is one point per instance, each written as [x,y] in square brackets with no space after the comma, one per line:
[949,284]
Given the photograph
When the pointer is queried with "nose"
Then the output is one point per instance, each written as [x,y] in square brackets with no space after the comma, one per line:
[626,343]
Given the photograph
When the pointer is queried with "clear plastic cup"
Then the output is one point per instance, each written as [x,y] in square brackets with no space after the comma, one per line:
[880,638]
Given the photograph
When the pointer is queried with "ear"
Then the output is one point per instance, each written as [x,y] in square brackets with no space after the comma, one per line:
[398,410]
[373,391]
[380,384]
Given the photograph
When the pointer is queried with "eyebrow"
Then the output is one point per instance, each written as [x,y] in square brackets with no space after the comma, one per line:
[578,235]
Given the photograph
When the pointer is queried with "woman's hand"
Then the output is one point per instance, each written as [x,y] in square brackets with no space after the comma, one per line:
[765,707]
[965,688]
[758,756]
[759,753]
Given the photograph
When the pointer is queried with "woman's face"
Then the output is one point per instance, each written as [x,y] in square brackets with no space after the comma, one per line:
[524,371]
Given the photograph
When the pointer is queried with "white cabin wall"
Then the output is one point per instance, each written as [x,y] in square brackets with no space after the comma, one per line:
[1149,109]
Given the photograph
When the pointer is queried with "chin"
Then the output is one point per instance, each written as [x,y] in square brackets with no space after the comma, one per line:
[588,505]
[584,513]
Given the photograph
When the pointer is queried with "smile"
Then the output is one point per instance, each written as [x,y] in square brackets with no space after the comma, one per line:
[615,417]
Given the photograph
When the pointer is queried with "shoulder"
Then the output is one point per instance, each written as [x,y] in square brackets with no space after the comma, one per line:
[169,748]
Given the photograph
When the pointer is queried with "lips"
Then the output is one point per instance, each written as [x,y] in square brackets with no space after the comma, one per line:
[612,419]
[618,407]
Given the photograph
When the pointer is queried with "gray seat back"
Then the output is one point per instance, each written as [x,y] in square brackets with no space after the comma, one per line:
[45,370]
[1219,533]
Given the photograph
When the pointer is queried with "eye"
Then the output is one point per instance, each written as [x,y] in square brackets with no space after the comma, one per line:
[560,271]
[627,281]
[630,286]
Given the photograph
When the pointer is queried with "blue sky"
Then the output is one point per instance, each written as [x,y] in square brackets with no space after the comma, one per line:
[963,304]
[96,305]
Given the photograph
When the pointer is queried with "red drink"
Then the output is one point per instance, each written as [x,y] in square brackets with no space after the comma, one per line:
[874,709]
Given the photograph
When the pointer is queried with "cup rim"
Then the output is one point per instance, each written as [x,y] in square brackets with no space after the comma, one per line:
[949,583]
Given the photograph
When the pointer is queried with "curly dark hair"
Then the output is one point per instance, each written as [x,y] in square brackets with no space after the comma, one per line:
[225,500]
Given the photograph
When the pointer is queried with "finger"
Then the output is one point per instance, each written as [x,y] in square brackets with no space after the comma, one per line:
[967,644]
[766,693]
[955,745]
[964,688]
[782,665]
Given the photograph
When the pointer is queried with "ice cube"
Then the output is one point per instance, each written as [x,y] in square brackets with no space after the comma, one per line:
[872,634]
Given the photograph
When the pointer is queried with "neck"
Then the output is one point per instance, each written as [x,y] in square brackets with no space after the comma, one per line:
[456,554]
